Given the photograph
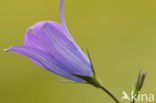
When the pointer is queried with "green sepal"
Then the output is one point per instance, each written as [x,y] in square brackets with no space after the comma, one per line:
[90,80]
[93,80]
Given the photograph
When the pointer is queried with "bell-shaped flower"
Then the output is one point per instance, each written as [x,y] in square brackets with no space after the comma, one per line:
[50,45]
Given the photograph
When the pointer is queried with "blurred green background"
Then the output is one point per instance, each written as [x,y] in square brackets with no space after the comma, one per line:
[120,35]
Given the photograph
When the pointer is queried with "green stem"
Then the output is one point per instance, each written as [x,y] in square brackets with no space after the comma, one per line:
[133,101]
[110,94]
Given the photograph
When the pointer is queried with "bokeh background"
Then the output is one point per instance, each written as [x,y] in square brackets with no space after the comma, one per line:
[120,35]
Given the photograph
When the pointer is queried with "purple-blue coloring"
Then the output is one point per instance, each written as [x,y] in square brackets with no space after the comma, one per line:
[50,45]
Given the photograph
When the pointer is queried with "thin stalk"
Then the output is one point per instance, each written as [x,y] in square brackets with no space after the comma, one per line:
[110,94]
[133,101]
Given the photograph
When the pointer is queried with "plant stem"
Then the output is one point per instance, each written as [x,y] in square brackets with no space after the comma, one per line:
[110,94]
[133,101]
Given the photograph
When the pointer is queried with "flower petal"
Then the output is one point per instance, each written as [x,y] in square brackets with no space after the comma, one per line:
[32,39]
[46,60]
[62,18]
[50,38]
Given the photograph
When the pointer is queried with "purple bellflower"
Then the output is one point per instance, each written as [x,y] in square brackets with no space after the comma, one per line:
[50,45]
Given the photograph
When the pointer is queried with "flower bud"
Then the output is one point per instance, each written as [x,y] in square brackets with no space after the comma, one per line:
[140,81]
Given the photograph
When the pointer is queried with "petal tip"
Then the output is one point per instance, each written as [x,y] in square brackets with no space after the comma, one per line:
[6,50]
[9,49]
